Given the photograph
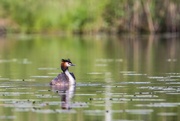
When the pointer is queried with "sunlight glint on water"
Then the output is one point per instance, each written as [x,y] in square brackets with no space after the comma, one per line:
[119,78]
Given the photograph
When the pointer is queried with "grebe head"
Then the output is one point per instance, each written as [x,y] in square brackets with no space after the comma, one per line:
[65,64]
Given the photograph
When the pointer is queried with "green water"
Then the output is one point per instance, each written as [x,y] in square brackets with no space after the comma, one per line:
[132,78]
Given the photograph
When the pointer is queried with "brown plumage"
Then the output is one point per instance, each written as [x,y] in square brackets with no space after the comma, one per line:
[65,78]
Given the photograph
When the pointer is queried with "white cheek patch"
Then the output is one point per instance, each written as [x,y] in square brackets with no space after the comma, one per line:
[67,64]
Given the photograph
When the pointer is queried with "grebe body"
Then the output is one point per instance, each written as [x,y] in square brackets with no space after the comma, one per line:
[65,78]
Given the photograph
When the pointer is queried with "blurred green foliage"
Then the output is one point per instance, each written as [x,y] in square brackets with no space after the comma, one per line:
[90,16]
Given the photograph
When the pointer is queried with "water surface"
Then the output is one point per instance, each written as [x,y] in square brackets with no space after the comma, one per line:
[126,78]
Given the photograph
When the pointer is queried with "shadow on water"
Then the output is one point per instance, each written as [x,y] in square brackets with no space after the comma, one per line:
[66,93]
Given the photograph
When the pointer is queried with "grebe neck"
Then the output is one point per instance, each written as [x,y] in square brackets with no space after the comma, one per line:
[71,79]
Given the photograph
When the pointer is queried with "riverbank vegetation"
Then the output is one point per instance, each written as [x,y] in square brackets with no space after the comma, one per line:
[90,16]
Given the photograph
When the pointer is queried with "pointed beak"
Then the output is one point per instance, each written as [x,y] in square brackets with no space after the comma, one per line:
[72,64]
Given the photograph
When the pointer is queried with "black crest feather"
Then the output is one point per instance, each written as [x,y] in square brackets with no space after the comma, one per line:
[66,60]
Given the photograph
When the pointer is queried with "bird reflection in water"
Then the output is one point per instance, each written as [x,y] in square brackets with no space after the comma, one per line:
[66,93]
[65,84]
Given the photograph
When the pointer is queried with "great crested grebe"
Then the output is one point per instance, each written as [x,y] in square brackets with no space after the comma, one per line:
[65,78]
